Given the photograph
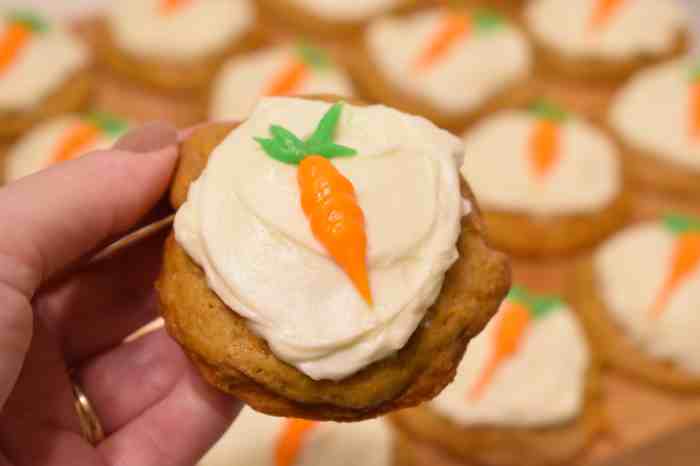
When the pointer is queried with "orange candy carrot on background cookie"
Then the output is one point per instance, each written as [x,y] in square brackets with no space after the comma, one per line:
[604,10]
[85,133]
[686,258]
[290,78]
[168,7]
[21,26]
[456,26]
[291,441]
[517,312]
[545,141]
[327,197]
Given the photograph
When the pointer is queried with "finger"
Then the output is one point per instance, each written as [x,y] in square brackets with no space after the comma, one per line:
[76,206]
[178,430]
[123,383]
[97,308]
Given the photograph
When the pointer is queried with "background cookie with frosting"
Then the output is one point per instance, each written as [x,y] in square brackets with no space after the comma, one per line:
[175,45]
[657,119]
[526,393]
[605,40]
[59,140]
[327,261]
[299,68]
[639,296]
[259,440]
[44,71]
[549,182]
[451,65]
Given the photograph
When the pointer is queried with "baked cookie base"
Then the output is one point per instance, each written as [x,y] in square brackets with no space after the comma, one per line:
[490,446]
[616,349]
[237,361]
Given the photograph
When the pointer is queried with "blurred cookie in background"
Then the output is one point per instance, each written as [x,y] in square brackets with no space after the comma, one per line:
[657,118]
[603,40]
[640,294]
[451,65]
[259,440]
[61,139]
[549,182]
[44,71]
[296,68]
[527,394]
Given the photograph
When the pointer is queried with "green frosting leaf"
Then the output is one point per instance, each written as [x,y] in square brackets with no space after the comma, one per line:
[29,19]
[109,124]
[538,305]
[331,150]
[487,20]
[679,224]
[546,110]
[313,56]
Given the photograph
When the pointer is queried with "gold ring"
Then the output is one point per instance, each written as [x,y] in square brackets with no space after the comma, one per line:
[89,422]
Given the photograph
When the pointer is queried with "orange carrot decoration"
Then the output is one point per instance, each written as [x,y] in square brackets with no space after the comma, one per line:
[545,142]
[21,26]
[168,7]
[694,96]
[604,10]
[456,26]
[291,440]
[327,197]
[80,137]
[686,258]
[293,75]
[517,312]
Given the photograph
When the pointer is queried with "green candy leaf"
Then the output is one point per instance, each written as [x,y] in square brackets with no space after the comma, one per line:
[109,124]
[546,110]
[487,20]
[326,127]
[538,305]
[331,151]
[279,152]
[679,224]
[288,140]
[29,19]
[313,56]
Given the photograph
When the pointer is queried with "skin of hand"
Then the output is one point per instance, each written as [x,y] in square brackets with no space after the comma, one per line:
[153,406]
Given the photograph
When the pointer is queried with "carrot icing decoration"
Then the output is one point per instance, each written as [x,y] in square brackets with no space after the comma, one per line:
[515,316]
[21,26]
[456,26]
[686,258]
[604,10]
[327,197]
[290,79]
[168,7]
[545,141]
[81,136]
[291,440]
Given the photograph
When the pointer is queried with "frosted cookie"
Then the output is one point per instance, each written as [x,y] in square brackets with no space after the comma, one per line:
[526,393]
[549,182]
[43,71]
[259,440]
[61,139]
[293,69]
[175,44]
[449,65]
[657,118]
[307,279]
[640,295]
[606,39]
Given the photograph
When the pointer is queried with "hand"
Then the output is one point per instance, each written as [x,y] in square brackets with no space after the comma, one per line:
[154,408]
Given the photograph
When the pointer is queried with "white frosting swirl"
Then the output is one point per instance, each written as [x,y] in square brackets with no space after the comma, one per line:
[475,69]
[346,11]
[254,438]
[48,60]
[636,28]
[631,270]
[244,80]
[197,30]
[243,223]
[542,385]
[652,113]
[586,178]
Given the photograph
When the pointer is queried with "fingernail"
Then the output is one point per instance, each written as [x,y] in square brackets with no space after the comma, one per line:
[150,137]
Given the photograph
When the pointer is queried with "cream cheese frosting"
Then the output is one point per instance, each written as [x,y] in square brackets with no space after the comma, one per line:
[631,271]
[244,80]
[586,177]
[475,69]
[346,11]
[37,149]
[195,30]
[244,225]
[635,28]
[543,384]
[47,60]
[255,438]
[659,99]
